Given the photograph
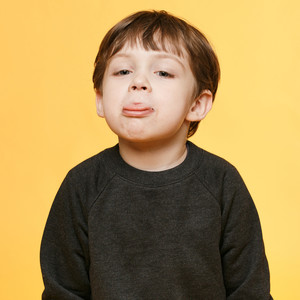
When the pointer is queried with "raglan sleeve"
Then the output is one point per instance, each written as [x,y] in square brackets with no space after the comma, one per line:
[245,266]
[64,247]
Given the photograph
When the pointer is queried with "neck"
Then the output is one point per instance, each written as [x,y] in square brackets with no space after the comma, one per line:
[149,156]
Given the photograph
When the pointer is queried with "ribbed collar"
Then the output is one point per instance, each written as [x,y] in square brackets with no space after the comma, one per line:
[117,165]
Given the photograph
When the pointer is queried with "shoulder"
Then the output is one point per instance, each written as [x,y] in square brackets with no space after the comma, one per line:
[226,185]
[212,165]
[86,180]
[216,173]
[94,166]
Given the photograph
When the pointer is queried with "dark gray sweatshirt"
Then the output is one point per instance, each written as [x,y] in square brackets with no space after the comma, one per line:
[191,232]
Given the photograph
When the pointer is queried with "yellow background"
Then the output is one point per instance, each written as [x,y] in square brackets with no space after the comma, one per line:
[49,123]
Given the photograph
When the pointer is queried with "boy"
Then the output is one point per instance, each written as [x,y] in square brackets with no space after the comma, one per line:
[154,217]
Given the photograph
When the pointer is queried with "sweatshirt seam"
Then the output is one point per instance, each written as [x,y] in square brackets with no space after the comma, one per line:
[100,192]
[204,184]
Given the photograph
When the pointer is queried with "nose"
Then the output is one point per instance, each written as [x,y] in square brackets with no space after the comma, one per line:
[140,83]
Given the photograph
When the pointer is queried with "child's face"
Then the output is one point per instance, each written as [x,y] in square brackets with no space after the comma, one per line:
[146,95]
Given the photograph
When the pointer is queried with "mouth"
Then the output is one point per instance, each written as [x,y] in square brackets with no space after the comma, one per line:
[137,111]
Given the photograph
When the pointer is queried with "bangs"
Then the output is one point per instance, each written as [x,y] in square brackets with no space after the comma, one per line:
[159,34]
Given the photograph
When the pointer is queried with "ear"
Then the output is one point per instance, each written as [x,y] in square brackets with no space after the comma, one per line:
[99,104]
[200,106]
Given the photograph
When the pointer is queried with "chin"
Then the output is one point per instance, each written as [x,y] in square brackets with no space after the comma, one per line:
[136,139]
[134,136]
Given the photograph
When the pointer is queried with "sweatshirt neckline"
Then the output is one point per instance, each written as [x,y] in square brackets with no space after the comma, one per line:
[155,178]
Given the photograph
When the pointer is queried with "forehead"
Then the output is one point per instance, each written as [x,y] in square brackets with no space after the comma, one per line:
[159,50]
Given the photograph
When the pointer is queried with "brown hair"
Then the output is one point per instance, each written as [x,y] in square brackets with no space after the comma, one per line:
[158,30]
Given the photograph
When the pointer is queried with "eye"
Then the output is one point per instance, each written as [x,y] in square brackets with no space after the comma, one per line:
[122,72]
[164,74]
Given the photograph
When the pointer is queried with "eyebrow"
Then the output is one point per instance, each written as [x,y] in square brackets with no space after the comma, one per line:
[157,55]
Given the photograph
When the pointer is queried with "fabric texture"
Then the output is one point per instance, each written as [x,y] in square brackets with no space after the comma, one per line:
[191,232]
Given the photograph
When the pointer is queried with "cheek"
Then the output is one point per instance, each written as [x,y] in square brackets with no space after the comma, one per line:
[113,90]
[181,101]
[111,98]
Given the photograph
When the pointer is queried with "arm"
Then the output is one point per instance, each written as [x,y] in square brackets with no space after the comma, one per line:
[245,267]
[64,249]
